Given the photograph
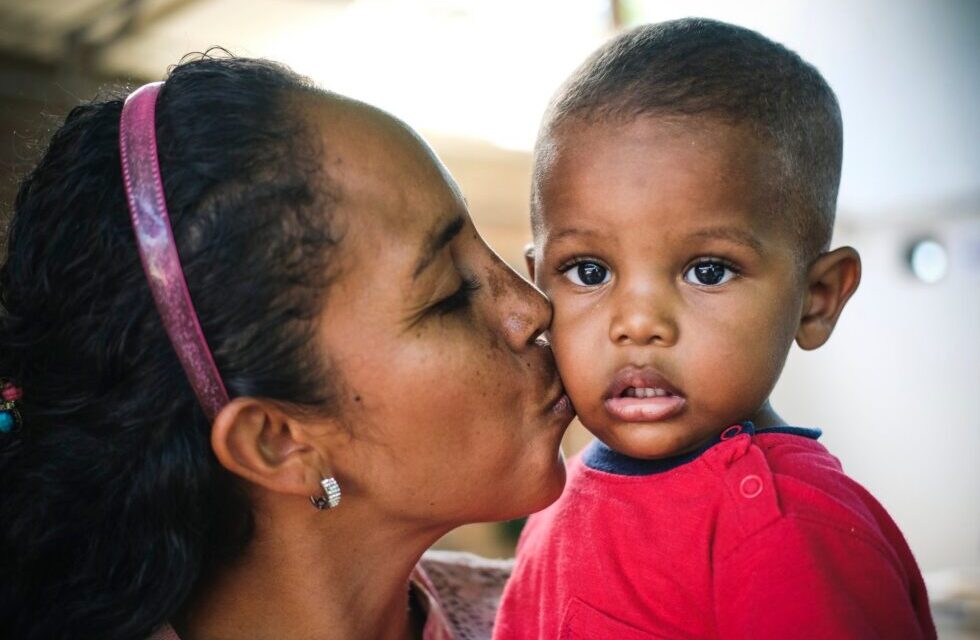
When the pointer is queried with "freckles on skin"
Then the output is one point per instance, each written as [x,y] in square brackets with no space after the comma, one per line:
[515,324]
[496,285]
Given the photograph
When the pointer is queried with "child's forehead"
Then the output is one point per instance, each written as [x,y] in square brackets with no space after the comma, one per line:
[676,169]
[680,139]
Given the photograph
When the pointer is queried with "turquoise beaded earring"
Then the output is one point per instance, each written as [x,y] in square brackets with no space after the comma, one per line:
[9,395]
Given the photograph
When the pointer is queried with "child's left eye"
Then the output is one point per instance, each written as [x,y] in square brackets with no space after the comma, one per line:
[587,273]
[709,273]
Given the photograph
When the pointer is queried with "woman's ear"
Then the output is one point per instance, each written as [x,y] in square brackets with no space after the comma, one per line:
[529,259]
[830,282]
[253,439]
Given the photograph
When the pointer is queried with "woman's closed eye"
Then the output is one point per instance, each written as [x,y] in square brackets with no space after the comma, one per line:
[457,300]
[710,272]
[586,273]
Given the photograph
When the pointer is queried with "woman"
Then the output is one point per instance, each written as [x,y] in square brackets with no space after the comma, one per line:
[348,341]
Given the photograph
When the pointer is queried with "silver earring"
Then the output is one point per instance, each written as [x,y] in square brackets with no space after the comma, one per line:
[330,497]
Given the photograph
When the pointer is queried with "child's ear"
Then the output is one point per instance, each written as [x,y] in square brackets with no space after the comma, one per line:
[831,280]
[529,259]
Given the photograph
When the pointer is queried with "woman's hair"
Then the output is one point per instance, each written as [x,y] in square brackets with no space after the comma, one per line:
[113,507]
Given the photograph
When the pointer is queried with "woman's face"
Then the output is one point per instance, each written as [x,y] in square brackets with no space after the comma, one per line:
[453,411]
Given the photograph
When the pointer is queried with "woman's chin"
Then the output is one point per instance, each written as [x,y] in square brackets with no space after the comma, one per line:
[551,495]
[547,489]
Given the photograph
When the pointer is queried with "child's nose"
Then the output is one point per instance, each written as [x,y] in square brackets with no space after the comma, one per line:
[638,322]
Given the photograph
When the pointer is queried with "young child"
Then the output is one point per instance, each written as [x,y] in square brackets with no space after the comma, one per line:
[683,197]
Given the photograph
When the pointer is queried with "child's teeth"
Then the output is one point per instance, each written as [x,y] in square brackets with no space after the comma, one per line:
[645,392]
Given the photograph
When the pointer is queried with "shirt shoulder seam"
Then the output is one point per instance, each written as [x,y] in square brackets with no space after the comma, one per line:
[813,519]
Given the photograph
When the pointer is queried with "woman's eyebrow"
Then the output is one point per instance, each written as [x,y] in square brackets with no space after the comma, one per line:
[437,238]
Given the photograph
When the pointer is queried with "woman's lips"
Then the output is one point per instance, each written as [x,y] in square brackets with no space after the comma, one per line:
[559,404]
[563,406]
[642,394]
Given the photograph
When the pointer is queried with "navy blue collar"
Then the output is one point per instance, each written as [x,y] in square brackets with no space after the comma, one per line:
[601,458]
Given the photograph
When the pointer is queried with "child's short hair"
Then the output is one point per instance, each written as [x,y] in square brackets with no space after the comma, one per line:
[698,67]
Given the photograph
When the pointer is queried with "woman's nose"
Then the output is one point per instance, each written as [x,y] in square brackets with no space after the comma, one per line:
[526,312]
[642,320]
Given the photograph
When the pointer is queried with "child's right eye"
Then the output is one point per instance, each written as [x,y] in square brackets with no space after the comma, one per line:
[587,273]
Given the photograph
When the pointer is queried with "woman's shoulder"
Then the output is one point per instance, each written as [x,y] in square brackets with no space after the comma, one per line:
[468,589]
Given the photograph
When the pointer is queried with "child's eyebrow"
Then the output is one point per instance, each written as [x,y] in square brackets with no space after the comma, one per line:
[737,236]
[571,231]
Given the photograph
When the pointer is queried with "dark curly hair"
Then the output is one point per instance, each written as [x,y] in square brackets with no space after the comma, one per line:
[113,508]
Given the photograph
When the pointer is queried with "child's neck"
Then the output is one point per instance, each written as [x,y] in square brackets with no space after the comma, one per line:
[767,417]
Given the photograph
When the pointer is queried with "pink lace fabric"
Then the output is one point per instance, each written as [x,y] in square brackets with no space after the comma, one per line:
[467,589]
[460,592]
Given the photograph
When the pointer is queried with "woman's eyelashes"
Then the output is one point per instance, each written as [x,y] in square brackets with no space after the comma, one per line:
[710,272]
[586,273]
[459,299]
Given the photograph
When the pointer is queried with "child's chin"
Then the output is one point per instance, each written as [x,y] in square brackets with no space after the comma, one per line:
[645,440]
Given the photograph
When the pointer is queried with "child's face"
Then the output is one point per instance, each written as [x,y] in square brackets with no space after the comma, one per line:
[677,291]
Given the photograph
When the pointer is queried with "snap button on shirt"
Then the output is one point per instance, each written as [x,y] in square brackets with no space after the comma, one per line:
[731,432]
[750,486]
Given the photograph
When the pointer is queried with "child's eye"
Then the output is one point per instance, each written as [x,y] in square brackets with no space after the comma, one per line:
[587,273]
[709,273]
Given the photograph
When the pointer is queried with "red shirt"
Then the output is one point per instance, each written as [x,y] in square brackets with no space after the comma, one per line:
[758,535]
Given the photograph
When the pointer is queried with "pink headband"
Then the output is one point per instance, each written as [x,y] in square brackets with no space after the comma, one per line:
[158,251]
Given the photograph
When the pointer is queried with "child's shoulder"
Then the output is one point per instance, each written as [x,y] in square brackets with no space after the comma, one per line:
[807,479]
[796,528]
[786,475]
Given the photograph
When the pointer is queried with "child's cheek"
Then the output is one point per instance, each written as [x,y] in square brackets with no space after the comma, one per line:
[578,340]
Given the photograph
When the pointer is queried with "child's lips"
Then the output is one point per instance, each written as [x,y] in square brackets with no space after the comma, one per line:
[644,409]
[642,394]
